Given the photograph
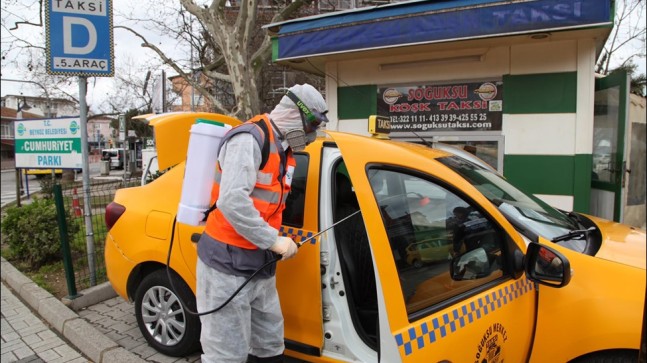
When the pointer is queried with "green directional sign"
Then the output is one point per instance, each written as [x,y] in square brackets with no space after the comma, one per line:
[48,143]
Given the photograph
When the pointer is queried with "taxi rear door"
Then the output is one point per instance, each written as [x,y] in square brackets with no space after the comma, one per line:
[426,314]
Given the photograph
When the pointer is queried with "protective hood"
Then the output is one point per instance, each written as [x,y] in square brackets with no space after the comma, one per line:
[286,115]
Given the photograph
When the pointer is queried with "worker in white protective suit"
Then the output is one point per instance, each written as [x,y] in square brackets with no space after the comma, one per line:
[253,176]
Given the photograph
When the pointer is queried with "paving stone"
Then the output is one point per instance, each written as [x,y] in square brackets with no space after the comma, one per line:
[121,355]
[26,338]
[86,338]
[161,358]
[129,343]
[31,359]
[7,357]
[32,339]
[49,354]
[144,351]
[9,337]
[91,316]
[37,327]
[48,344]
[23,352]
[67,352]
[78,360]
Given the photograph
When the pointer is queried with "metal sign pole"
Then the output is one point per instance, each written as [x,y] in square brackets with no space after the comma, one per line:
[87,205]
[85,53]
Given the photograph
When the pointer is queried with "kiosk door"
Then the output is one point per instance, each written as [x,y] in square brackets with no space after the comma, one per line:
[609,167]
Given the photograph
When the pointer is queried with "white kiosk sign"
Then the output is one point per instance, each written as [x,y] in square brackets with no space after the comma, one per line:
[79,38]
[48,143]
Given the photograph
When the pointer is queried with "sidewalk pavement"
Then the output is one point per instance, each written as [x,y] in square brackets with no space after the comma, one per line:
[98,326]
[38,327]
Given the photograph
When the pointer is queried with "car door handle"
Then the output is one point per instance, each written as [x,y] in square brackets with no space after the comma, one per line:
[195,237]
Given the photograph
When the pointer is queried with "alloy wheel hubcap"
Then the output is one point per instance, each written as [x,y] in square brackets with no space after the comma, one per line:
[163,315]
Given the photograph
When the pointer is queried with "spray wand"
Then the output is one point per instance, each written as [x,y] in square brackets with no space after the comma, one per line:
[275,260]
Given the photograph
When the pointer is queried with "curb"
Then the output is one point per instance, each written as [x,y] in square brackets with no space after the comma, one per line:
[91,296]
[83,336]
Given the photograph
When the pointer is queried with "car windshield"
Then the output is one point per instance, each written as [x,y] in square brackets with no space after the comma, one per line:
[526,210]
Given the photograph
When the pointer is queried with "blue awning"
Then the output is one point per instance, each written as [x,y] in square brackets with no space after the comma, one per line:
[424,22]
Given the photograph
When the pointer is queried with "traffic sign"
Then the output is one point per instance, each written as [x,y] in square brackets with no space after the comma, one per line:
[79,38]
[48,143]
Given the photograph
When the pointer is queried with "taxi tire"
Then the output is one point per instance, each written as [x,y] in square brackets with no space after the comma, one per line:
[157,282]
[609,356]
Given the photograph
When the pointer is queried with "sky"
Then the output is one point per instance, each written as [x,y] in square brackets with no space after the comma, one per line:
[127,49]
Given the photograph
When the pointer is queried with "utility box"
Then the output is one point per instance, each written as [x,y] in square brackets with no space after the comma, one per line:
[105,167]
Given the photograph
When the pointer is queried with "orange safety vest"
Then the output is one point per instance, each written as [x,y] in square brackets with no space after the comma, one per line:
[269,198]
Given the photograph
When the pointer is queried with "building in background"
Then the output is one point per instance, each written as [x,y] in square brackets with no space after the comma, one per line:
[512,81]
[100,133]
[7,139]
[189,99]
[42,106]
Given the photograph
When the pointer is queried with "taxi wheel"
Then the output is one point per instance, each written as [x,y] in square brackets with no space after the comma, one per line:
[417,263]
[161,317]
[609,356]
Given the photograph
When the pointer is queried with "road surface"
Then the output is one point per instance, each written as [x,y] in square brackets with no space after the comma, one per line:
[8,183]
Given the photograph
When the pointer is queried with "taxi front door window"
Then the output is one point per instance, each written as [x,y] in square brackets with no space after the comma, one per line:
[421,222]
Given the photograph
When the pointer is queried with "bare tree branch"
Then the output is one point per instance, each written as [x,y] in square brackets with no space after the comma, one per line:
[623,34]
[196,85]
[40,19]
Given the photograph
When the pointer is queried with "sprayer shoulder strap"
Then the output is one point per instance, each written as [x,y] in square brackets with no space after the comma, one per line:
[265,147]
[263,141]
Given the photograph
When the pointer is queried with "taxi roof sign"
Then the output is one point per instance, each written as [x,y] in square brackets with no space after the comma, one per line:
[379,126]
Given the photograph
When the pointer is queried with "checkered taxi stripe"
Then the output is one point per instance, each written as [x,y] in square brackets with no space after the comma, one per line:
[432,330]
[298,235]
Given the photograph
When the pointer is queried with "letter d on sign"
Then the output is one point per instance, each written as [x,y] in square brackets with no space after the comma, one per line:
[68,48]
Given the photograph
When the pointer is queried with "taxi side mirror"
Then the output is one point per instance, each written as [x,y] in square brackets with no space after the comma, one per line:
[547,266]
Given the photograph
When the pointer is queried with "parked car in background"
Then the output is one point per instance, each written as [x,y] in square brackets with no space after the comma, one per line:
[42,173]
[434,250]
[45,173]
[116,156]
[531,283]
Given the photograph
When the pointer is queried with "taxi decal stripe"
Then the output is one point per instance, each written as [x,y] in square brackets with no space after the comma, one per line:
[432,329]
[298,235]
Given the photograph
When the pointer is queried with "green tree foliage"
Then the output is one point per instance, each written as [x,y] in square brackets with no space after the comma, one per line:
[141,128]
[32,232]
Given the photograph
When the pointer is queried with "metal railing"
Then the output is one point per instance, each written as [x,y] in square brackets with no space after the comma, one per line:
[77,270]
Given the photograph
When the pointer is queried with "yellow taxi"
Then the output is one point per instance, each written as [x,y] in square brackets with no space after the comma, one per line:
[428,251]
[529,283]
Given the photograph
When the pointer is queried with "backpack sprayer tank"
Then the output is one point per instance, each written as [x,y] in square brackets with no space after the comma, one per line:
[200,170]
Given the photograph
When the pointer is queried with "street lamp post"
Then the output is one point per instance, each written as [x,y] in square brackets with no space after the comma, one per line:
[19,108]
